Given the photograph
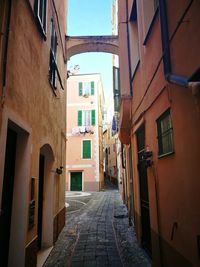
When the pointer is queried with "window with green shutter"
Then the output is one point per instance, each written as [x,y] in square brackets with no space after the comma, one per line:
[86,117]
[93,117]
[80,118]
[80,86]
[92,88]
[86,151]
[86,88]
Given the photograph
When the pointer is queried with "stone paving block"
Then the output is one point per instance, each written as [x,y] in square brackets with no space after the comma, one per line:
[115,264]
[77,264]
[77,258]
[90,263]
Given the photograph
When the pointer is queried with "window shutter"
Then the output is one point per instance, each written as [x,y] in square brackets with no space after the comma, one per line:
[86,149]
[116,88]
[93,117]
[80,118]
[92,88]
[80,88]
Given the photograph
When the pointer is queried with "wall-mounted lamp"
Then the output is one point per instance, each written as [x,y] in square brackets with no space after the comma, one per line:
[59,171]
[147,157]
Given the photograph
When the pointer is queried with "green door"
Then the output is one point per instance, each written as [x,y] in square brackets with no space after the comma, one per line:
[76,181]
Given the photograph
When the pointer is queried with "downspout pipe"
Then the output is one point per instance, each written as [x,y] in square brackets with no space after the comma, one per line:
[6,45]
[128,46]
[169,76]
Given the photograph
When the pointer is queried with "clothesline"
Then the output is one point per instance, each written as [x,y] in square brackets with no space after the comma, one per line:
[82,130]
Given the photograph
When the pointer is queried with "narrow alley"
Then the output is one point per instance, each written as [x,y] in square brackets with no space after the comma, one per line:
[99,133]
[97,233]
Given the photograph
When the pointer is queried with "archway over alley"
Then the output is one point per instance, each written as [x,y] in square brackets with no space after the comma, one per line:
[81,44]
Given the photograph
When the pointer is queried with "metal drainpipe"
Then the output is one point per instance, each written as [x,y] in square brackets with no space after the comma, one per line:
[128,41]
[169,76]
[6,46]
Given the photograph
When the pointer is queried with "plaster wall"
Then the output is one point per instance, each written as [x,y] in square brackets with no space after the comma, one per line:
[29,96]
[185,58]
[172,180]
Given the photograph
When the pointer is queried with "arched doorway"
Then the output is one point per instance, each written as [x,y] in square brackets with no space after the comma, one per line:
[45,197]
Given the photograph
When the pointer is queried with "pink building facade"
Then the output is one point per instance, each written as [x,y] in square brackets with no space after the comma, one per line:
[84,131]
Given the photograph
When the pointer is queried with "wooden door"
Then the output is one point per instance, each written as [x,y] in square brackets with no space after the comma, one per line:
[144,193]
[76,181]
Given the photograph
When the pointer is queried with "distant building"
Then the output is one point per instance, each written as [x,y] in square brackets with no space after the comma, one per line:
[32,128]
[120,174]
[85,103]
[110,156]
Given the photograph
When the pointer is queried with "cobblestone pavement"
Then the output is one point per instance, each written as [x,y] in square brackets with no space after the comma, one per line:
[97,234]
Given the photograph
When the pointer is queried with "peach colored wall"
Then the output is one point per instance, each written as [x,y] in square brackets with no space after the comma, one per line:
[89,167]
[30,103]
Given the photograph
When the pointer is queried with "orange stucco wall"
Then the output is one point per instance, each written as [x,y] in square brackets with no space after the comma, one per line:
[173,180]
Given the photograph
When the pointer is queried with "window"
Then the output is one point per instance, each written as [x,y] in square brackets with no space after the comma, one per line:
[86,88]
[40,7]
[86,117]
[134,40]
[165,134]
[52,60]
[53,67]
[86,149]
[149,8]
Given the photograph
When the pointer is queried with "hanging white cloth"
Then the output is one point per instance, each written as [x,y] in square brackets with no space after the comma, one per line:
[82,129]
[75,130]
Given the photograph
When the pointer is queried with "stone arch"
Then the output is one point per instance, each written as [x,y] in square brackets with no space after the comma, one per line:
[83,44]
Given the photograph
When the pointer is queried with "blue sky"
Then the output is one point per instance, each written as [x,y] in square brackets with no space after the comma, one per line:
[91,17]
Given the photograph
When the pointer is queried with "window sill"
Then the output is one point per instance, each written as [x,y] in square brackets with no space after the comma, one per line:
[150,27]
[166,154]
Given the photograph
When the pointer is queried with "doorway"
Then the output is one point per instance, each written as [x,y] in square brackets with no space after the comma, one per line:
[144,193]
[40,200]
[7,195]
[131,184]
[46,201]
[76,181]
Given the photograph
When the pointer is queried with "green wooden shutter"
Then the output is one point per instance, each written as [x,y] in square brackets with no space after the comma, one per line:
[93,117]
[86,149]
[92,88]
[80,86]
[80,118]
